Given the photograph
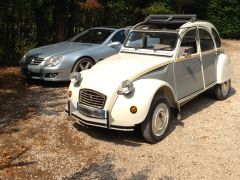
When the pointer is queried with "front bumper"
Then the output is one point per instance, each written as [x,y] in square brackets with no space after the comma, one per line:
[86,120]
[44,73]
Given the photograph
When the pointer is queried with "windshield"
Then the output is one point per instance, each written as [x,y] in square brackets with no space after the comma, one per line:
[94,36]
[152,40]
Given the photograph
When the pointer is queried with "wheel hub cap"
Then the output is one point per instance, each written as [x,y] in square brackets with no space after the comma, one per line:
[160,119]
[225,88]
[83,65]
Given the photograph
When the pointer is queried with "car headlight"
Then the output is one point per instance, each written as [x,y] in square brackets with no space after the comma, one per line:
[75,77]
[23,59]
[127,87]
[53,61]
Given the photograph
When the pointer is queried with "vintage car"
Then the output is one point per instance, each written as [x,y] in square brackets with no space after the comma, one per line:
[165,61]
[55,62]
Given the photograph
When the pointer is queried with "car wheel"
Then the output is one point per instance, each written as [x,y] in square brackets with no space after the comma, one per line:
[83,64]
[156,125]
[221,91]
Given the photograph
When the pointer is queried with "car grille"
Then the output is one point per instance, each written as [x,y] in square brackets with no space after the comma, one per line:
[33,60]
[92,98]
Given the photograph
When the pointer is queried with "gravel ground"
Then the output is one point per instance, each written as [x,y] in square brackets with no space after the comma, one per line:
[39,141]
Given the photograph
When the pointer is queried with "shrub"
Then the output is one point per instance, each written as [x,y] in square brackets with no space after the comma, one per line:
[157,8]
[225,15]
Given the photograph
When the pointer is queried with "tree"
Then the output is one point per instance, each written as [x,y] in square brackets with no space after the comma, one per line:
[59,19]
[225,15]
[157,8]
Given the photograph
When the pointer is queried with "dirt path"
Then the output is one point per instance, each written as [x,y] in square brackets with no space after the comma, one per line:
[37,140]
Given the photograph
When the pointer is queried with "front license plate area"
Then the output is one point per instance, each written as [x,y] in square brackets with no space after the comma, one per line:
[92,112]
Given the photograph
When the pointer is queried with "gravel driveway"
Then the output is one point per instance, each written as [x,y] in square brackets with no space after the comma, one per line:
[39,141]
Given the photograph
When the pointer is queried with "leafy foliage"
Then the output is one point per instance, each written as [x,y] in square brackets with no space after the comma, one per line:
[157,8]
[25,24]
[225,14]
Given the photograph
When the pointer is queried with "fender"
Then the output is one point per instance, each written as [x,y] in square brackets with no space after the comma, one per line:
[75,88]
[224,68]
[141,97]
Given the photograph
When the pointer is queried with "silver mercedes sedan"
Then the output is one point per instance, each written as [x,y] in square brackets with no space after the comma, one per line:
[55,62]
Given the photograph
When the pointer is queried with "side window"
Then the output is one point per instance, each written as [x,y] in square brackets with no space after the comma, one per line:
[188,43]
[206,41]
[119,37]
[216,38]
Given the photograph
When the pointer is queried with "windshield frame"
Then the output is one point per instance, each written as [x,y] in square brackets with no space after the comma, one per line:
[150,51]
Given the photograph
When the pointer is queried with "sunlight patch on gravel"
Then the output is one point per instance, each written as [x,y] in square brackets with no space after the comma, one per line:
[38,140]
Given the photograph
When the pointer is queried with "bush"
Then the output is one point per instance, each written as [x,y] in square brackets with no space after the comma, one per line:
[157,8]
[225,15]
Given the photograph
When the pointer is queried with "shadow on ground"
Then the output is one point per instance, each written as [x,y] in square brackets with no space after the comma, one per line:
[105,170]
[21,99]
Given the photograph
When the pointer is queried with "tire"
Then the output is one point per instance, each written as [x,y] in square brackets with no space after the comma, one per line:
[152,129]
[221,91]
[83,64]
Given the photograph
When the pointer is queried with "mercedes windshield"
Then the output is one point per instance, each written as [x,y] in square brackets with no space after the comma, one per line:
[93,36]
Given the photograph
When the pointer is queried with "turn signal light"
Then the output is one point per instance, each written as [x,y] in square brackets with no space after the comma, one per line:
[133,109]
[69,93]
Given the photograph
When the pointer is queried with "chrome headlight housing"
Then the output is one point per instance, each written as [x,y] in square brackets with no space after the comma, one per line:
[75,77]
[53,61]
[23,59]
[127,87]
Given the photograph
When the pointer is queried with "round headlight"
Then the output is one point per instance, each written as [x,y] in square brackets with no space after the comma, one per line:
[127,87]
[75,77]
[53,61]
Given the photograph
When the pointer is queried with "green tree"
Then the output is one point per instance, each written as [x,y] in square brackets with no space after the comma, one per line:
[225,15]
[157,8]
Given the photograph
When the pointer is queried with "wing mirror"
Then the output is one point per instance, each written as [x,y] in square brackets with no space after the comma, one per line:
[114,44]
[187,52]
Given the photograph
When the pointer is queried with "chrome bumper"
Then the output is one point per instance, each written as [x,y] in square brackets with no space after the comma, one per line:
[103,123]
[37,72]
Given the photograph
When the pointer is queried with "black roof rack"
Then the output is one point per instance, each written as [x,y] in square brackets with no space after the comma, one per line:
[171,17]
[165,21]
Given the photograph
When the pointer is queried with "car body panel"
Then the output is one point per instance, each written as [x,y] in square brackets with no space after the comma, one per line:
[121,114]
[188,76]
[164,73]
[71,53]
[59,49]
[224,68]
[128,65]
[209,66]
[170,75]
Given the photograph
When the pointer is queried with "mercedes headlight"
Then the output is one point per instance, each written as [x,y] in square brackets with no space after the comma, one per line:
[75,77]
[53,61]
[127,87]
[23,59]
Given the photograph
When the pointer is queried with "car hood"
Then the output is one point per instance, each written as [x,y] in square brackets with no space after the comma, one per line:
[59,48]
[107,76]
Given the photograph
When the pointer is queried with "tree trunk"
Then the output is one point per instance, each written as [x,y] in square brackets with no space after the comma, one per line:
[71,19]
[59,19]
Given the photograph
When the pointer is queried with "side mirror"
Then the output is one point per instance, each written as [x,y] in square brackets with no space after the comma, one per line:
[114,44]
[187,52]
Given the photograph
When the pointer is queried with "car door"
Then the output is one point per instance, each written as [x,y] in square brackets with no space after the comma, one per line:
[187,66]
[111,50]
[208,55]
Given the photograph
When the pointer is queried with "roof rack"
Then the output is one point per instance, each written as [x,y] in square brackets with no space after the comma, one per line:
[171,17]
[165,21]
